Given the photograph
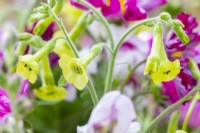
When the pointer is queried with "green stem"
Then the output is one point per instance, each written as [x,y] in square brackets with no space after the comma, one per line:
[102,19]
[130,73]
[47,73]
[189,112]
[62,27]
[169,109]
[112,62]
[75,52]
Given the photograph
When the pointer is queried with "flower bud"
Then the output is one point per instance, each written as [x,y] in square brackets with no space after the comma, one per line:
[165,16]
[194,69]
[178,29]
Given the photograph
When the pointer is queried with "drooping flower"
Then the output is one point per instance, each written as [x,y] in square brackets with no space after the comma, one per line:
[28,68]
[50,93]
[158,64]
[129,10]
[5,105]
[113,113]
[74,70]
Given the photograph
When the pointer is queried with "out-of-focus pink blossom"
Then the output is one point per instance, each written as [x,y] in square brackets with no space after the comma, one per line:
[129,10]
[113,113]
[23,90]
[5,106]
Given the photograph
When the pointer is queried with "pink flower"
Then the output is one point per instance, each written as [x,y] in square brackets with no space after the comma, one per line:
[129,10]
[113,113]
[5,106]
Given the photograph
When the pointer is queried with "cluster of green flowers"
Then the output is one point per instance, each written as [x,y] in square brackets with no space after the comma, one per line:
[73,68]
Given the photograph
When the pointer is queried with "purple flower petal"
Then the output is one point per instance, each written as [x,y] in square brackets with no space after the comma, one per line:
[23,90]
[148,5]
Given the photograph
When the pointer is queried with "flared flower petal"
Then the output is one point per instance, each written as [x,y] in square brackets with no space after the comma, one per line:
[167,71]
[73,71]
[28,68]
[51,93]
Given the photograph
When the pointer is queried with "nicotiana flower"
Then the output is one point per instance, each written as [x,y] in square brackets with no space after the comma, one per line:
[28,68]
[158,64]
[129,10]
[185,81]
[74,70]
[113,113]
[50,93]
[5,105]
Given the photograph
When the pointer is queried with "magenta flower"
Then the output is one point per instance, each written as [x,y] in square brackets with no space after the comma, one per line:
[113,113]
[129,10]
[5,107]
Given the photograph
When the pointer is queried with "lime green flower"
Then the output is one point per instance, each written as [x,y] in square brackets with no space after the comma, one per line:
[28,68]
[166,72]
[50,93]
[74,71]
[158,65]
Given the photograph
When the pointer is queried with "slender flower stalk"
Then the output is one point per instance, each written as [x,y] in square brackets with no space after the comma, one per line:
[187,117]
[102,19]
[169,109]
[113,57]
[130,73]
[74,50]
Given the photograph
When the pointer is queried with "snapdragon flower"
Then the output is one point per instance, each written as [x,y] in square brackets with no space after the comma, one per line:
[113,113]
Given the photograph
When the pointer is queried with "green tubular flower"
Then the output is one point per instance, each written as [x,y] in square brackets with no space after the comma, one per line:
[50,93]
[28,68]
[74,71]
[158,65]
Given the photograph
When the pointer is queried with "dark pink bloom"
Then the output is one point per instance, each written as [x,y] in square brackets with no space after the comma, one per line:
[129,10]
[5,106]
